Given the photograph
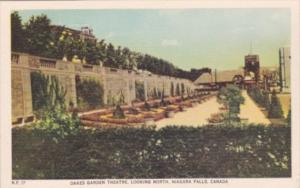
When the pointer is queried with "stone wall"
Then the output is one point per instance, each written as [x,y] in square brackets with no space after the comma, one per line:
[115,81]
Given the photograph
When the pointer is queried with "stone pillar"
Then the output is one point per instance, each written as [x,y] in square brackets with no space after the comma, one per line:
[27,97]
[104,82]
[146,88]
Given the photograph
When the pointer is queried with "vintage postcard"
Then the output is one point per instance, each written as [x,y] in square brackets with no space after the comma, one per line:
[154,93]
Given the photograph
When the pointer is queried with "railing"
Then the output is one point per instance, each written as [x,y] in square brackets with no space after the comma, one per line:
[47,63]
[113,70]
[15,58]
[88,68]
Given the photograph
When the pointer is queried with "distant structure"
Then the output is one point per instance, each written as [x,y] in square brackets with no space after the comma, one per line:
[285,69]
[85,33]
[251,75]
[252,67]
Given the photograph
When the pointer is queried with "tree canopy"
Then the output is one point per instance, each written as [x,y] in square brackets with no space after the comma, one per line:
[39,37]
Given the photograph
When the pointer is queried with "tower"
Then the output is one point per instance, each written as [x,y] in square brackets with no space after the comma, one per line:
[252,66]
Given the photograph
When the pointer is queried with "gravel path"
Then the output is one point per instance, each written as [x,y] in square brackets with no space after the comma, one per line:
[250,111]
[196,116]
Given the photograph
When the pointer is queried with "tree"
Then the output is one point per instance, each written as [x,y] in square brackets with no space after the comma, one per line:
[111,57]
[17,33]
[38,35]
[93,54]
[275,110]
[232,98]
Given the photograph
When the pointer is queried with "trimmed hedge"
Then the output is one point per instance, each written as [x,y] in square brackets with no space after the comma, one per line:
[172,152]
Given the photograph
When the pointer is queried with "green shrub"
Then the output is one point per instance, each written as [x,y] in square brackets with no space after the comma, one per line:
[57,123]
[89,93]
[139,90]
[231,97]
[172,152]
[275,110]
[46,92]
[118,113]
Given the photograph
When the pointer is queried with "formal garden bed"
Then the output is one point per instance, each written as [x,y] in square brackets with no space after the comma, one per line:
[142,112]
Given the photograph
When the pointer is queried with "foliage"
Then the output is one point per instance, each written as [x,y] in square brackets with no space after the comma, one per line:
[172,152]
[89,93]
[46,92]
[231,97]
[139,90]
[17,33]
[58,123]
[275,110]
[49,104]
[261,97]
[41,38]
[38,36]
[118,113]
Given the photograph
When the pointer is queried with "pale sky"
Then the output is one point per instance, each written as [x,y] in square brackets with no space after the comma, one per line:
[188,38]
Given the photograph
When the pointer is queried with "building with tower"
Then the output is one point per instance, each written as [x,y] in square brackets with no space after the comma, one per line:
[252,67]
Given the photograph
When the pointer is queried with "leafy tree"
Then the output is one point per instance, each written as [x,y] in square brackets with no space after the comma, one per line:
[38,35]
[232,98]
[93,53]
[275,110]
[111,57]
[17,33]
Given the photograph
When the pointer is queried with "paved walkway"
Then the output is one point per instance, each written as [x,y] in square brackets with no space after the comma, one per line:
[196,116]
[250,111]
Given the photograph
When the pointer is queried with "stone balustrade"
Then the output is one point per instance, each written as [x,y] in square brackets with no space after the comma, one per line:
[114,81]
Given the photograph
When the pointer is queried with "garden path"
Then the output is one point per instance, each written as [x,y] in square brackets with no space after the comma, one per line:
[196,116]
[251,112]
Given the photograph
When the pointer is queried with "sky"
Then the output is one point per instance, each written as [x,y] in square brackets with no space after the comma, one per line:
[188,38]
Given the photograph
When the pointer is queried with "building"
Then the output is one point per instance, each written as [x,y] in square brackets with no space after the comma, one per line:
[251,75]
[85,33]
[285,69]
[251,68]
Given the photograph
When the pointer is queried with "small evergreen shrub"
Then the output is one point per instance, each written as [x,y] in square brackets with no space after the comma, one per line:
[118,113]
[275,110]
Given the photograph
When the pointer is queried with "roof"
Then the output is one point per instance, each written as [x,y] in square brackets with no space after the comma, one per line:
[220,76]
[204,78]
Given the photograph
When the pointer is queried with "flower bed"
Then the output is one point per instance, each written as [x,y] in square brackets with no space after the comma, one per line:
[139,114]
